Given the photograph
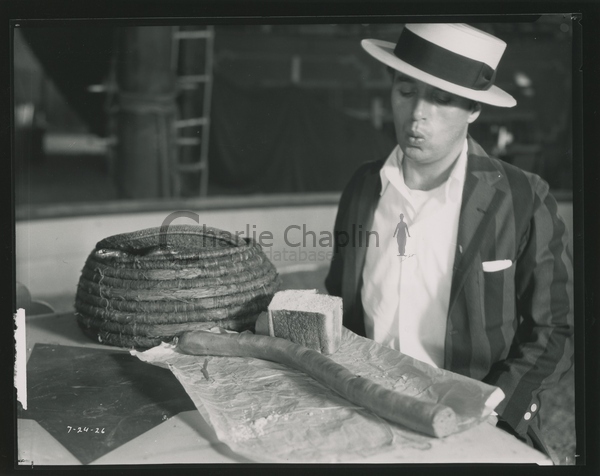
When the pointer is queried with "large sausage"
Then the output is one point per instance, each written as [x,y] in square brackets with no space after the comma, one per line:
[425,417]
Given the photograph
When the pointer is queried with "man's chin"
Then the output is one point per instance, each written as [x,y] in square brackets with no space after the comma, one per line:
[415,153]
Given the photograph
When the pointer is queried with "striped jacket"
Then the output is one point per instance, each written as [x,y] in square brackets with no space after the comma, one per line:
[511,328]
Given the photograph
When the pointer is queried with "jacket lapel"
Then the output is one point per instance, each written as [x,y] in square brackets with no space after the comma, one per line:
[481,198]
[363,220]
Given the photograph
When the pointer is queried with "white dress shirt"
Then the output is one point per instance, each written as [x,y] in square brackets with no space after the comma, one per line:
[406,298]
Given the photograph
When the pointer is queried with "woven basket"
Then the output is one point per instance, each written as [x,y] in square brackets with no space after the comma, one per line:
[142,288]
[98,276]
[251,307]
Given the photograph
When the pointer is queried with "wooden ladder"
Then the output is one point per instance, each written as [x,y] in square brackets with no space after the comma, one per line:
[193,67]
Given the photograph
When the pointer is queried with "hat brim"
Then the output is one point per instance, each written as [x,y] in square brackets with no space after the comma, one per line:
[384,51]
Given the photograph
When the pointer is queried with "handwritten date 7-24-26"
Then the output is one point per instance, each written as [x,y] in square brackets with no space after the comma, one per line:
[84,429]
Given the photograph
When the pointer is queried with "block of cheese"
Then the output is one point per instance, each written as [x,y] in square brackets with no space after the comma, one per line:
[307,318]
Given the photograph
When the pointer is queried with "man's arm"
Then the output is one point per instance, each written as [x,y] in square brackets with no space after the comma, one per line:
[543,347]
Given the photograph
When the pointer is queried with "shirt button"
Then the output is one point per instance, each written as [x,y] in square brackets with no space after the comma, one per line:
[533,407]
[527,416]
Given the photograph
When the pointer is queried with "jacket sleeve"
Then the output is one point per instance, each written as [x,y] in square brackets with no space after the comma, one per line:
[542,350]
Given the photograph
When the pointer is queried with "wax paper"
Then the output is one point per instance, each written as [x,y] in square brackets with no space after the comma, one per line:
[272,413]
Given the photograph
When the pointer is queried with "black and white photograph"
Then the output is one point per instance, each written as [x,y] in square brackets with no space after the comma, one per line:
[309,241]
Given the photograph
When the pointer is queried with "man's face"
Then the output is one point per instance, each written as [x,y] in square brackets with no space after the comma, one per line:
[431,124]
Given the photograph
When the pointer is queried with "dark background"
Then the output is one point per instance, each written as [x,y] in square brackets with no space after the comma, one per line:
[295,109]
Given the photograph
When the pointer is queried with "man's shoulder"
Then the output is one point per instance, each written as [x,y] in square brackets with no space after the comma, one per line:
[511,170]
[520,178]
[515,176]
[366,170]
[370,167]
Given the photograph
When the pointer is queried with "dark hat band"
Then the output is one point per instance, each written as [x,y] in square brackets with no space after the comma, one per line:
[443,63]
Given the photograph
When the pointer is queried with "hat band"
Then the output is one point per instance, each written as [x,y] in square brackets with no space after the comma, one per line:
[443,63]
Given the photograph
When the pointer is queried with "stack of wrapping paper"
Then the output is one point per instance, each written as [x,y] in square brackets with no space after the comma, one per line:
[271,413]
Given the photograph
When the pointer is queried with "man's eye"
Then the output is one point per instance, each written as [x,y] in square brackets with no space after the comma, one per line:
[442,98]
[406,92]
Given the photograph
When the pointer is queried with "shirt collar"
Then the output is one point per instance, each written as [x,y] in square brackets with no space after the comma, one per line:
[392,172]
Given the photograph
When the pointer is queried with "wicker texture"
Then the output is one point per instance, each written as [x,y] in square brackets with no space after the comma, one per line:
[142,288]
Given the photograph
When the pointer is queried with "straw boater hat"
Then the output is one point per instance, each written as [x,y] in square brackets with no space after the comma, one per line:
[453,57]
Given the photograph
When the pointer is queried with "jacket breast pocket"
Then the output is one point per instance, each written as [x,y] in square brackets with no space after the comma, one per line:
[496,265]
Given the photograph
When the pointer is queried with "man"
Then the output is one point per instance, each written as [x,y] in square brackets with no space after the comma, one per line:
[486,287]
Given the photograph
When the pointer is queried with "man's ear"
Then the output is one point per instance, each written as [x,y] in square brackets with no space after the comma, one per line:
[475,111]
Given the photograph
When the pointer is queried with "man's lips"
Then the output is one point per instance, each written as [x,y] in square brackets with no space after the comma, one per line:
[415,137]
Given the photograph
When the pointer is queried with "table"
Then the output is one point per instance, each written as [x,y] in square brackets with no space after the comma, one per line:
[188,438]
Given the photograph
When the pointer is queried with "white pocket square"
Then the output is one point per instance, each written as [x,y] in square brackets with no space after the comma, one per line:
[499,265]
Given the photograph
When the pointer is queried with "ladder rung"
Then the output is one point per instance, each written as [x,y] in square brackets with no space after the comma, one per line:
[192,34]
[193,78]
[194,121]
[195,167]
[188,141]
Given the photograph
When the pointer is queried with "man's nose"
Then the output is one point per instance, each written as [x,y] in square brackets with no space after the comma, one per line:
[420,108]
